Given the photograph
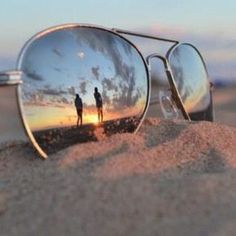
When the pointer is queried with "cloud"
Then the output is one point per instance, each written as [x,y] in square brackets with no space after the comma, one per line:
[106,99]
[71,90]
[109,84]
[118,93]
[65,100]
[57,52]
[95,71]
[128,96]
[53,92]
[47,96]
[32,99]
[57,69]
[34,76]
[82,87]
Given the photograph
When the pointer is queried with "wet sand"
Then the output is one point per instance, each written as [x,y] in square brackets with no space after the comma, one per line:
[171,178]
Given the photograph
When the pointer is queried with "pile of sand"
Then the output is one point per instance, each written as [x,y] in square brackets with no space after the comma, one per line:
[171,178]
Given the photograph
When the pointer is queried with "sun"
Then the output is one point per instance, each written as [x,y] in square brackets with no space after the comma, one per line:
[91,119]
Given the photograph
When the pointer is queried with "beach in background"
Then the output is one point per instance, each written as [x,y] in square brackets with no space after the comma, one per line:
[225,105]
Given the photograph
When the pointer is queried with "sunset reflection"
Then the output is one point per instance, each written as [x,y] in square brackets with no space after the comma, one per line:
[41,117]
[191,78]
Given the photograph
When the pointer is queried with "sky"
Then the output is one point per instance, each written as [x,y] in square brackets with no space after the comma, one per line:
[209,24]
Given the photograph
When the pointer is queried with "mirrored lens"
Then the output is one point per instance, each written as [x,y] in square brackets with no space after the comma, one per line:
[191,79]
[79,79]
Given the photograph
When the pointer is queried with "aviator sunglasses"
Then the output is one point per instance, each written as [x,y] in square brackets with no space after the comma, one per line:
[72,80]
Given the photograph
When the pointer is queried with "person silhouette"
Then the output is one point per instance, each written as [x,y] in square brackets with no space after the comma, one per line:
[98,99]
[79,109]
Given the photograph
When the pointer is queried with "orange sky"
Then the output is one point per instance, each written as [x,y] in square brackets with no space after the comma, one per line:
[43,117]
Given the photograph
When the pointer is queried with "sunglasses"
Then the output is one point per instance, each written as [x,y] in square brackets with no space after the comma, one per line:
[73,81]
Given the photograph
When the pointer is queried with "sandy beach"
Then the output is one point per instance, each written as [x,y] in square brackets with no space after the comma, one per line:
[171,178]
[225,105]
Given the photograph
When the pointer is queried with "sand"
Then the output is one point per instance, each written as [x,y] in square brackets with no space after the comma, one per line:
[171,178]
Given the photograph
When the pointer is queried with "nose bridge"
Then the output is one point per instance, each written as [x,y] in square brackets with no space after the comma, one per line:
[159,85]
[164,87]
[158,56]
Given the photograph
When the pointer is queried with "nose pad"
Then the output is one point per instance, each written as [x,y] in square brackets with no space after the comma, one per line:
[168,108]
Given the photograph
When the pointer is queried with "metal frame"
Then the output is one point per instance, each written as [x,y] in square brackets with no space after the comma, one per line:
[12,77]
[120,31]
[175,93]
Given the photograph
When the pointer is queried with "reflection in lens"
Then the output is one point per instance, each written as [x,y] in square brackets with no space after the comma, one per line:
[78,79]
[191,80]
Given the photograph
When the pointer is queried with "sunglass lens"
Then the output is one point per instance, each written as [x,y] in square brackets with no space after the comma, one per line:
[79,79]
[190,76]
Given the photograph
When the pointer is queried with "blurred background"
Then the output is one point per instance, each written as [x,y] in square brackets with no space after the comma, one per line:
[207,24]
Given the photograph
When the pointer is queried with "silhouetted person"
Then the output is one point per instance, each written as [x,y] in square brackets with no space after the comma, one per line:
[98,99]
[79,109]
